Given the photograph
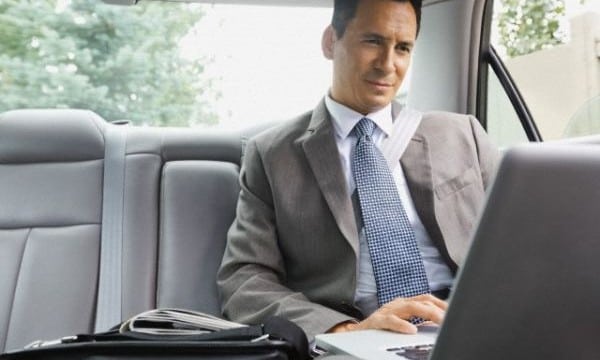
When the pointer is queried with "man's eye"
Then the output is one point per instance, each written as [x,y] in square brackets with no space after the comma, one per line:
[373,41]
[404,49]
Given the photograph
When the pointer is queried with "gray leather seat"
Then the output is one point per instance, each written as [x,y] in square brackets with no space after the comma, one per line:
[193,179]
[198,201]
[180,194]
[51,167]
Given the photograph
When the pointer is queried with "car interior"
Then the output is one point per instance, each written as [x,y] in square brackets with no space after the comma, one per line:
[101,220]
[176,201]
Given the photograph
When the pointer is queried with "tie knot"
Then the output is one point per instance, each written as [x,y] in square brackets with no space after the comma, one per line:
[364,127]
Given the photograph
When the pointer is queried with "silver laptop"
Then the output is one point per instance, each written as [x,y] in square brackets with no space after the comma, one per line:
[380,344]
[530,286]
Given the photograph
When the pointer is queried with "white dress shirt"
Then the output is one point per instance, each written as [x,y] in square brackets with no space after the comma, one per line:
[438,273]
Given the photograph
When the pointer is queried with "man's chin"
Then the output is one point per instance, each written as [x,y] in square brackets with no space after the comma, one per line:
[379,103]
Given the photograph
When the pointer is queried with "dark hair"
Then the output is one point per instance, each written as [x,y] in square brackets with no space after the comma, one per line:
[345,10]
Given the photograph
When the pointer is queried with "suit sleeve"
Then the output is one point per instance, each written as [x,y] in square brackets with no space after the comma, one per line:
[252,274]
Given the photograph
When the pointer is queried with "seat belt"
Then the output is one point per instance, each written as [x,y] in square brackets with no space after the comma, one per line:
[404,127]
[108,306]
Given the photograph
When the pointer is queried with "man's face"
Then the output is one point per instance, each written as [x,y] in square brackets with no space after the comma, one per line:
[371,58]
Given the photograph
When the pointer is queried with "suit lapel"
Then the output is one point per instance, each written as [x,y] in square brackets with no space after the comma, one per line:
[417,167]
[324,159]
[417,170]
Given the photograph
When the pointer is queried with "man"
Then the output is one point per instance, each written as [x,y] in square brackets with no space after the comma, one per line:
[301,246]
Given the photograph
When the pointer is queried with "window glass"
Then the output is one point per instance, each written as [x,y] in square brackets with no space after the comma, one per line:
[163,63]
[551,49]
[503,124]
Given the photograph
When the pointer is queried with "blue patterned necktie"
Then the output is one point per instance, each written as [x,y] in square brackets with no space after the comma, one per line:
[397,263]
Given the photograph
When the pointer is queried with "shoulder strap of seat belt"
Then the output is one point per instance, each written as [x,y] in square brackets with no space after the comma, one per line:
[405,125]
[108,307]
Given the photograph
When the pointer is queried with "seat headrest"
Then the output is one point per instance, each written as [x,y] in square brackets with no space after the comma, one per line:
[51,135]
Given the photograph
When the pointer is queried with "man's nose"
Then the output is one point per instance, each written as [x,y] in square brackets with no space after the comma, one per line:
[386,60]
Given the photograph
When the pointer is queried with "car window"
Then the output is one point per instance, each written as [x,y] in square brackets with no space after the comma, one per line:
[163,63]
[503,124]
[551,50]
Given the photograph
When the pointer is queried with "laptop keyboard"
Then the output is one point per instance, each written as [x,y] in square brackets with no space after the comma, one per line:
[417,352]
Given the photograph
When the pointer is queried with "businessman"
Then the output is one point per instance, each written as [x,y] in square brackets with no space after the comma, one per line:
[357,214]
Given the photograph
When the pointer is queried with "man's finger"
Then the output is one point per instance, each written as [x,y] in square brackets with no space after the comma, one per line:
[428,297]
[397,324]
[427,311]
[439,303]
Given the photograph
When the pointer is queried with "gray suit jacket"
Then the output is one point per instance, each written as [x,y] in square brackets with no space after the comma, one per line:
[293,248]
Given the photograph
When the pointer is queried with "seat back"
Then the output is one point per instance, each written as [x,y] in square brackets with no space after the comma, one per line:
[198,199]
[181,189]
[179,199]
[50,223]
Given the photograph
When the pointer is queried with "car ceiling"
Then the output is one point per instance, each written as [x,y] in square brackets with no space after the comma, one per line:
[309,3]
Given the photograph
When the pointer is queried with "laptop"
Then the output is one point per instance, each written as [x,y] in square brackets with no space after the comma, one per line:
[530,285]
[380,344]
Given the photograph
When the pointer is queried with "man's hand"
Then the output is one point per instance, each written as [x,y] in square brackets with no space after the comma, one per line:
[395,315]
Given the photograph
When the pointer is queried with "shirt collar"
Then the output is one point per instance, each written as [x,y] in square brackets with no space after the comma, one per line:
[344,119]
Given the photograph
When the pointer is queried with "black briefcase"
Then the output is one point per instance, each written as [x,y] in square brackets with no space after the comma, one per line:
[276,339]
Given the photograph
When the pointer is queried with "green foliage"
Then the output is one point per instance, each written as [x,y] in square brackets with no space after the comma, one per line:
[122,62]
[529,25]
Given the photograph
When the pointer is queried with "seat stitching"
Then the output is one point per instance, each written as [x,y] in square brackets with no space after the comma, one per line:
[48,226]
[14,295]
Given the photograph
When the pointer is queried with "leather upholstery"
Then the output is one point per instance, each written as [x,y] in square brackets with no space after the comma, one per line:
[198,200]
[43,135]
[51,166]
[180,194]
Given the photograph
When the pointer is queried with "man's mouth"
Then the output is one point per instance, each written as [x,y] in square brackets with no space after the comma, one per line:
[382,85]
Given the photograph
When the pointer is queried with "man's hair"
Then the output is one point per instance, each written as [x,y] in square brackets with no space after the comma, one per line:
[345,10]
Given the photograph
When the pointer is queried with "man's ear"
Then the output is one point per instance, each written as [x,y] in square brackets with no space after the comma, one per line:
[328,41]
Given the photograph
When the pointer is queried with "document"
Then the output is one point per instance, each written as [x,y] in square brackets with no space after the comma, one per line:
[168,321]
